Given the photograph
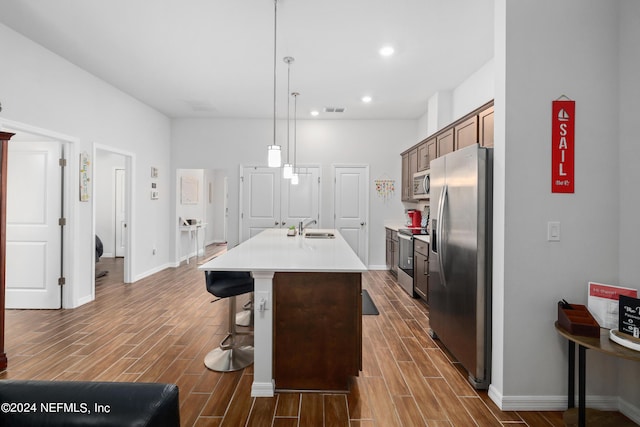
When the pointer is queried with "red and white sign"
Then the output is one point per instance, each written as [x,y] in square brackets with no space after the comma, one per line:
[563,146]
[603,302]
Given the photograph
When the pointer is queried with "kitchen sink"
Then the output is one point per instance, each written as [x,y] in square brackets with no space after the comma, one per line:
[319,235]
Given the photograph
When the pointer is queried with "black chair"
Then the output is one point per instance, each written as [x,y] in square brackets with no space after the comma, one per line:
[230,355]
[88,403]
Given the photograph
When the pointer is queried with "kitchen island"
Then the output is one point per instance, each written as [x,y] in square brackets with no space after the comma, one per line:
[307,311]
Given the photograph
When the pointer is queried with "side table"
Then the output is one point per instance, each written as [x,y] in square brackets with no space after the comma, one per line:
[602,344]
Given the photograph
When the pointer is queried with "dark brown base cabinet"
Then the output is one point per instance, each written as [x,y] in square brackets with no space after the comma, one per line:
[317,330]
[421,268]
[392,251]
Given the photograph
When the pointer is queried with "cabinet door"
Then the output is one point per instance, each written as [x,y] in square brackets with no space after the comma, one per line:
[445,142]
[432,148]
[413,168]
[486,127]
[421,275]
[389,253]
[395,249]
[466,133]
[406,180]
[423,157]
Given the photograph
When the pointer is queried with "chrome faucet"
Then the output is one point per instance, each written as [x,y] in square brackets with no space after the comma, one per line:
[302,225]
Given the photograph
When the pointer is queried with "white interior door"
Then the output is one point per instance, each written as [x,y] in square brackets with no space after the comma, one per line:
[33,233]
[301,202]
[269,201]
[120,213]
[351,207]
[260,200]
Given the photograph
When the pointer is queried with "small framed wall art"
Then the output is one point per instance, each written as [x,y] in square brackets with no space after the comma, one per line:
[85,177]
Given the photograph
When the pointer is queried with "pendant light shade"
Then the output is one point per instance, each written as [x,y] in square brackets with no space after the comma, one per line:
[274,156]
[287,171]
[274,159]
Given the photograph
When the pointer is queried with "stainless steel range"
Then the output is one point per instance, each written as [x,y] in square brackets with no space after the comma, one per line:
[405,258]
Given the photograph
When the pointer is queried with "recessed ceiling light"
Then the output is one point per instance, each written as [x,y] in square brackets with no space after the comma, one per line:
[366,98]
[386,51]
[314,113]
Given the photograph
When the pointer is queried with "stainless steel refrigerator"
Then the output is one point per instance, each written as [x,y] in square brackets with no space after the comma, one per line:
[460,258]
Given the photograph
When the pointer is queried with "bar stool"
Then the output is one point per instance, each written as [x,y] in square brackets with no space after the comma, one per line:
[245,317]
[229,356]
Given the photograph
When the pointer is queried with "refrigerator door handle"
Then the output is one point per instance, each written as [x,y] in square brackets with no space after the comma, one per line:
[441,203]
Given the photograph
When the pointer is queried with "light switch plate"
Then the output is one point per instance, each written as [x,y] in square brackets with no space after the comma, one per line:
[553,231]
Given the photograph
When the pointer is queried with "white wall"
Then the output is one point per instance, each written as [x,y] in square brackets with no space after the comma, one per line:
[447,106]
[43,90]
[475,91]
[216,209]
[545,49]
[629,154]
[225,144]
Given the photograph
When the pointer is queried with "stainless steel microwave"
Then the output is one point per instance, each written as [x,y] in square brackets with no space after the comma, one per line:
[421,185]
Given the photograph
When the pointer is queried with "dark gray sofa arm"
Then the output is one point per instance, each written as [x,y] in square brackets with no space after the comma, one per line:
[85,403]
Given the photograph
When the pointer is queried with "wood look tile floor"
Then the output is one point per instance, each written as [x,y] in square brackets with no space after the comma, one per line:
[160,328]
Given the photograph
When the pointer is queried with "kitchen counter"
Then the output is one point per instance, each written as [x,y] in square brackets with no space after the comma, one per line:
[395,226]
[273,250]
[296,266]
[424,237]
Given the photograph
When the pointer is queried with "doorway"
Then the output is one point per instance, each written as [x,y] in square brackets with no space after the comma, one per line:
[351,206]
[112,206]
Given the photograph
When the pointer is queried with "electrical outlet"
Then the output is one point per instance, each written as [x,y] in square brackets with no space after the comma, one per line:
[262,300]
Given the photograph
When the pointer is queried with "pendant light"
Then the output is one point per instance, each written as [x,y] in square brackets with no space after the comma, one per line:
[287,171]
[274,159]
[294,177]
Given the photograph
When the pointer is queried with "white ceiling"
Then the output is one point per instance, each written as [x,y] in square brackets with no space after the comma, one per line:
[214,58]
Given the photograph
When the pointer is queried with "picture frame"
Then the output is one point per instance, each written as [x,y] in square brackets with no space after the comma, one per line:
[85,177]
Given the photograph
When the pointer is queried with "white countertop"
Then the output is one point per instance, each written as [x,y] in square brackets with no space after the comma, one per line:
[423,237]
[273,250]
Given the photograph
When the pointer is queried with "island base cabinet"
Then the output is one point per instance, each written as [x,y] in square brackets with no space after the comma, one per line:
[317,330]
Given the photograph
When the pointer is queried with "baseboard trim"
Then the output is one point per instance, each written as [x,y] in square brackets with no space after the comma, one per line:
[554,403]
[152,271]
[266,389]
[630,411]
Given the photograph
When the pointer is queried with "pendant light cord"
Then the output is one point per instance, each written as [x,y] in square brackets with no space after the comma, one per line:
[275,31]
[288,60]
[295,129]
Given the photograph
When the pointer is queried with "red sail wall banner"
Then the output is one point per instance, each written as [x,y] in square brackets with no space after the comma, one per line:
[562,146]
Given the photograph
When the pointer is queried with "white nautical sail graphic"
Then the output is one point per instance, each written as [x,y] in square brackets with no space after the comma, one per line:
[563,116]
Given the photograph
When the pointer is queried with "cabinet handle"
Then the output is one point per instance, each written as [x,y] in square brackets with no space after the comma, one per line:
[277,223]
[426,267]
